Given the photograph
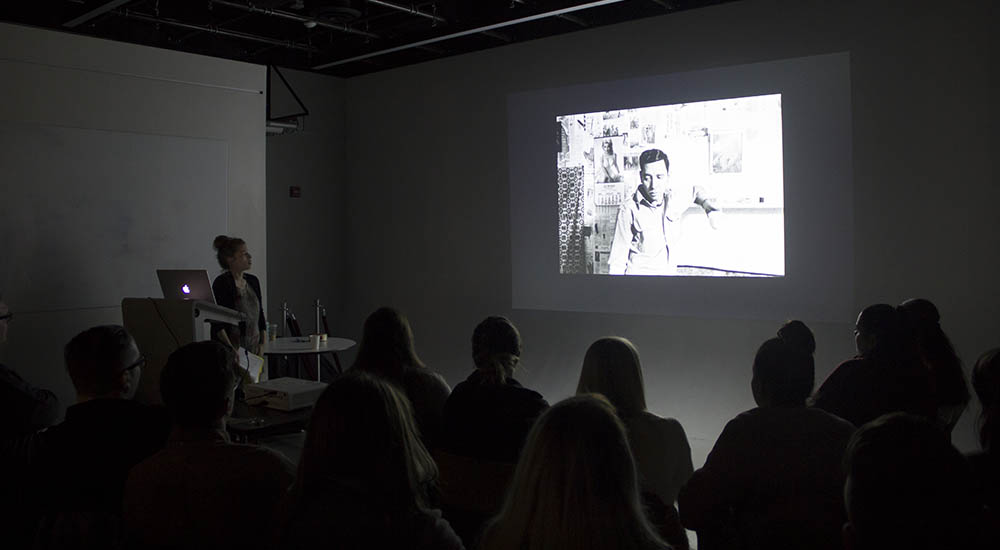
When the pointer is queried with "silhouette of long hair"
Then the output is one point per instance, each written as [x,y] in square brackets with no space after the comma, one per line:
[496,349]
[387,348]
[937,351]
[362,429]
[575,486]
[611,368]
[895,344]
[986,383]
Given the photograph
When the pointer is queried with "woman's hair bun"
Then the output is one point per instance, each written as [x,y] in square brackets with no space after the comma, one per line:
[219,242]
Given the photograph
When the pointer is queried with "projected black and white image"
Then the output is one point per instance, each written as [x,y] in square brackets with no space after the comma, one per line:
[607,164]
[727,152]
[697,190]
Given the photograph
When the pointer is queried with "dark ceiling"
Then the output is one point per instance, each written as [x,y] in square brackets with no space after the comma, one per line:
[337,37]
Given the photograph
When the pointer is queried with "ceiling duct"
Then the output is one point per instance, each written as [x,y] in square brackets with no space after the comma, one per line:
[335,11]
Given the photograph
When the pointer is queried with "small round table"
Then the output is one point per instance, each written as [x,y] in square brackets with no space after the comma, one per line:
[300,345]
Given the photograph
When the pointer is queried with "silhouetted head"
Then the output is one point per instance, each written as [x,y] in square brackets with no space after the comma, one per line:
[907,487]
[386,347]
[921,311]
[362,430]
[575,485]
[654,174]
[935,348]
[986,383]
[783,374]
[797,334]
[880,332]
[231,252]
[496,349]
[198,384]
[611,368]
[104,362]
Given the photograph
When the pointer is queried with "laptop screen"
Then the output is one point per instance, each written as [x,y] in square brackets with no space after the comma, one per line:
[185,284]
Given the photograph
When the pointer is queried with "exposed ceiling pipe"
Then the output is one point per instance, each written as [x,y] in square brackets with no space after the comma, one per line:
[409,9]
[477,30]
[296,17]
[499,36]
[665,4]
[128,14]
[574,19]
[99,10]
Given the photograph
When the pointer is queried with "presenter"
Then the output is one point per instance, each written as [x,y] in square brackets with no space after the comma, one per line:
[239,290]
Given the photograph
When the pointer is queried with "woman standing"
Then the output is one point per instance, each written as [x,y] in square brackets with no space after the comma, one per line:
[239,290]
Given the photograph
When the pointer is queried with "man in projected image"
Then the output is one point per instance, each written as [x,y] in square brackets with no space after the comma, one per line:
[647,221]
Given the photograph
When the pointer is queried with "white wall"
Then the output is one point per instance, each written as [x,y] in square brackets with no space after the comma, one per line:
[56,79]
[306,234]
[428,197]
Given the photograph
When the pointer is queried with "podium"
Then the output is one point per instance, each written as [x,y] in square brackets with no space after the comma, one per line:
[160,326]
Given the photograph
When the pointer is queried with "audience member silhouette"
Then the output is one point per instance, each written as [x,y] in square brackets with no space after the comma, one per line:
[797,334]
[387,351]
[886,376]
[79,466]
[201,490]
[907,487]
[986,464]
[950,392]
[23,407]
[773,479]
[575,486]
[489,414]
[364,478]
[662,455]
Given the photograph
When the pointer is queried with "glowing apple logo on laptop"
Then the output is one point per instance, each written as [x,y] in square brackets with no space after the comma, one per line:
[186,289]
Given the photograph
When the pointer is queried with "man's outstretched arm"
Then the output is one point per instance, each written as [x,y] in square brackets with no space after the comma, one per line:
[714,213]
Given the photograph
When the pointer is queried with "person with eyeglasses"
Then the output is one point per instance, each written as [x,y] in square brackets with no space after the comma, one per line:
[23,407]
[77,469]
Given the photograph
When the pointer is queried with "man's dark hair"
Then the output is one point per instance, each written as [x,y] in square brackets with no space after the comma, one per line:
[496,349]
[196,379]
[796,333]
[908,487]
[783,373]
[94,358]
[650,156]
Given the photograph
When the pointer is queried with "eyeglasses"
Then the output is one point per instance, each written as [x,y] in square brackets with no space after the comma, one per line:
[141,362]
[7,316]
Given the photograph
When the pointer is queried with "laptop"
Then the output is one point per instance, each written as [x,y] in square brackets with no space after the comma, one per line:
[185,284]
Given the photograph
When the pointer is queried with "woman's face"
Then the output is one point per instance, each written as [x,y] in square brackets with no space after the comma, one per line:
[241,261]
